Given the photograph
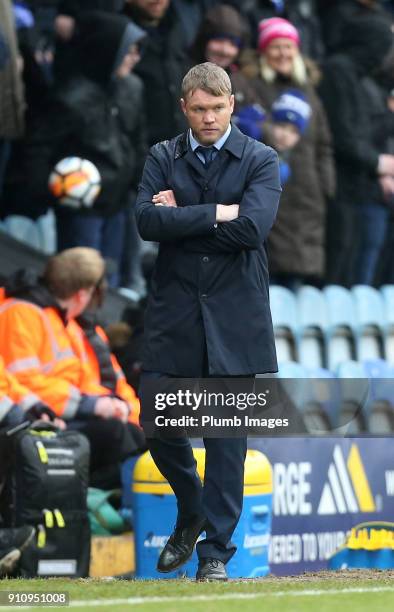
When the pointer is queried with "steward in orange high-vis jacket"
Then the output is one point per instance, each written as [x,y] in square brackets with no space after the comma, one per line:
[43,347]
[104,366]
[45,351]
[17,403]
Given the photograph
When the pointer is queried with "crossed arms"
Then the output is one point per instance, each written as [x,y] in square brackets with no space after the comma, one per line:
[210,227]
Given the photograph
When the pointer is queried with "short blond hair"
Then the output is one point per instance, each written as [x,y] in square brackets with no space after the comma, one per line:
[209,77]
[72,270]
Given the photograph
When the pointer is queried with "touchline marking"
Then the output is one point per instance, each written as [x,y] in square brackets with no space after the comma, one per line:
[226,596]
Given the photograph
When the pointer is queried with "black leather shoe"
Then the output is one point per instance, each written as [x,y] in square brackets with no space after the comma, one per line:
[211,569]
[180,545]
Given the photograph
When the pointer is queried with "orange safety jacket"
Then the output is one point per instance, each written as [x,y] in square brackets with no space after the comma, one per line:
[105,368]
[12,392]
[46,354]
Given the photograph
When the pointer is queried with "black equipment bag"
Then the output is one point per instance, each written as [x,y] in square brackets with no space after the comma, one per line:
[47,488]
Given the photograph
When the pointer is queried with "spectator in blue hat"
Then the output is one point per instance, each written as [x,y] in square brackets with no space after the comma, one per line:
[297,241]
[290,114]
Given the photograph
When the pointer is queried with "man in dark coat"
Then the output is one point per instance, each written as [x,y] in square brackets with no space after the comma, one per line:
[365,43]
[96,115]
[209,197]
[162,65]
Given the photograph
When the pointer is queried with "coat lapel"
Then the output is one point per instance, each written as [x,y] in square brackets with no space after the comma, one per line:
[235,145]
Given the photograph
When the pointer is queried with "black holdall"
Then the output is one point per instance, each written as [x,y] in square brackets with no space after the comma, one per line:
[47,488]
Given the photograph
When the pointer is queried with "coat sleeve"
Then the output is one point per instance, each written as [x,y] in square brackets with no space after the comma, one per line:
[126,392]
[165,223]
[257,212]
[123,389]
[324,152]
[21,331]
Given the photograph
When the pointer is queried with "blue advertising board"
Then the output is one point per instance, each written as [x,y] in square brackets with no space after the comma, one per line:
[322,488]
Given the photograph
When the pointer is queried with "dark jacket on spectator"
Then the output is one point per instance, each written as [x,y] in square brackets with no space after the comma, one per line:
[95,116]
[335,15]
[74,7]
[162,68]
[220,21]
[191,13]
[296,244]
[381,121]
[225,21]
[366,41]
[12,106]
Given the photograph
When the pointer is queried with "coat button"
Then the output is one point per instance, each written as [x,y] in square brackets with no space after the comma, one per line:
[205,259]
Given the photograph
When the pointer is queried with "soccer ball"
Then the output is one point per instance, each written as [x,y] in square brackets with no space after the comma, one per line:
[75,182]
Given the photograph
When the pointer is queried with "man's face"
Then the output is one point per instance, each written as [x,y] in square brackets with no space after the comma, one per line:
[285,136]
[221,51]
[208,116]
[153,9]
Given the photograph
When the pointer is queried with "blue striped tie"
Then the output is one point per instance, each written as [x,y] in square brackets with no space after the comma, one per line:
[207,153]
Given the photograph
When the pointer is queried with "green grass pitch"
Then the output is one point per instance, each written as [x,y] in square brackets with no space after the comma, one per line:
[347,591]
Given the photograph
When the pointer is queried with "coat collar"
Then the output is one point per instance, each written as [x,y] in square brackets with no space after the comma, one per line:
[235,143]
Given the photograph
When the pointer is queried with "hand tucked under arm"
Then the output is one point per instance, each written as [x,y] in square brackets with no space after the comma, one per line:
[224,212]
[256,215]
[162,221]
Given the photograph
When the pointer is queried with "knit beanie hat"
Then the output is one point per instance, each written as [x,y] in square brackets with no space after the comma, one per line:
[292,107]
[276,27]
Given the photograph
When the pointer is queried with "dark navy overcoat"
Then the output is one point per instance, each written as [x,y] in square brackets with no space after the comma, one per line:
[209,292]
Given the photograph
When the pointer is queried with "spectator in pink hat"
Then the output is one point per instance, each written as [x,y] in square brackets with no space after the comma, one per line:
[297,241]
[278,44]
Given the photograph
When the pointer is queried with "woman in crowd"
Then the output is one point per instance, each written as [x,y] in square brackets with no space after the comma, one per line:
[297,242]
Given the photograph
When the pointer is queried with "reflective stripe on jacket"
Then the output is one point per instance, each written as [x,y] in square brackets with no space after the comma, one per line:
[46,355]
[12,392]
[100,360]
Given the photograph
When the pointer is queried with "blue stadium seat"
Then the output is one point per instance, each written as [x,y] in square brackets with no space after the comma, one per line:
[354,389]
[370,322]
[387,293]
[380,411]
[369,306]
[39,234]
[312,321]
[315,392]
[283,308]
[325,400]
[340,315]
[284,319]
[340,307]
[295,382]
[381,375]
[312,308]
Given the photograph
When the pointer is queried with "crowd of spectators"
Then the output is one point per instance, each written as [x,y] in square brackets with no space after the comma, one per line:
[100,79]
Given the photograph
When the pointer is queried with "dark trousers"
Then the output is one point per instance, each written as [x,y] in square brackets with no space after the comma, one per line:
[374,219]
[219,499]
[342,232]
[102,233]
[5,148]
